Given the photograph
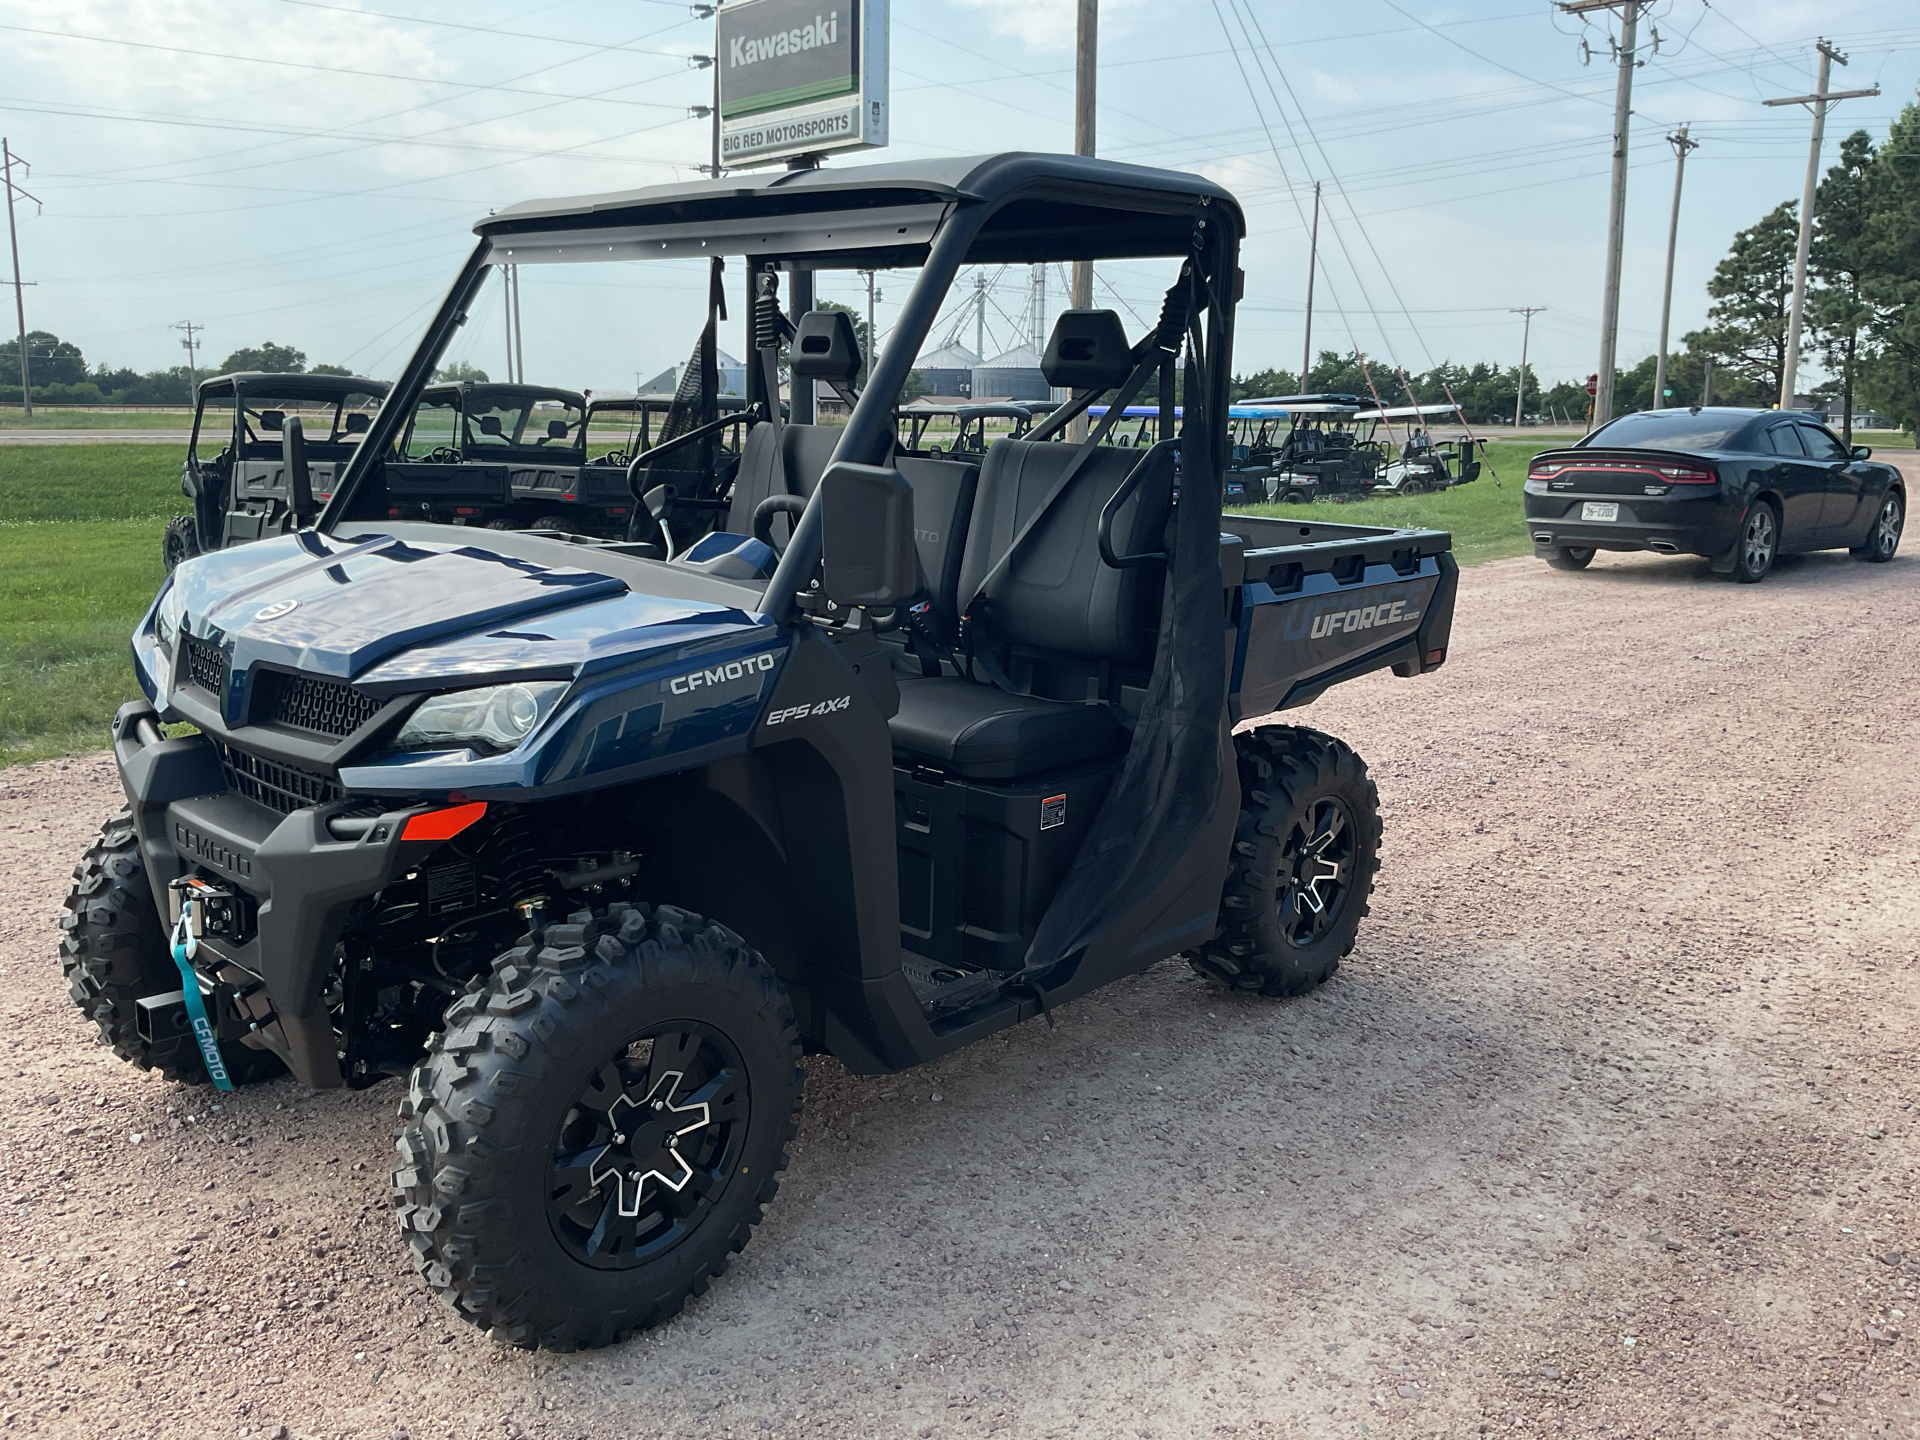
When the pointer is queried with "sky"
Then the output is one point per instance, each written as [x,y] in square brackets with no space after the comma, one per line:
[308,171]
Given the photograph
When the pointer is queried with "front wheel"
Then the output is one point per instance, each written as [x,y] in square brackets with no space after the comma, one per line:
[1884,538]
[1759,542]
[179,542]
[599,1128]
[1304,857]
[114,954]
[1570,557]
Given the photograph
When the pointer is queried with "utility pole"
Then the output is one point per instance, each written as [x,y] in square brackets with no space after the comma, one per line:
[188,344]
[519,334]
[7,161]
[1086,52]
[1681,145]
[1617,201]
[1820,99]
[872,295]
[1526,312]
[1039,318]
[1313,264]
[506,309]
[980,316]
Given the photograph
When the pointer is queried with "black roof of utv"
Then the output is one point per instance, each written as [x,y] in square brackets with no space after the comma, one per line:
[1058,207]
[297,385]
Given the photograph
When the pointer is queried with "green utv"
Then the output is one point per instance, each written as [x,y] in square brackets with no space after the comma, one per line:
[593,839]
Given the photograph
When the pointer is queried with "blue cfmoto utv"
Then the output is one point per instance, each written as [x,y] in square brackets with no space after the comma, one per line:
[867,753]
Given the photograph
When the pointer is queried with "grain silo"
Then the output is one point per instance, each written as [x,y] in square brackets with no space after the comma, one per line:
[948,371]
[1014,375]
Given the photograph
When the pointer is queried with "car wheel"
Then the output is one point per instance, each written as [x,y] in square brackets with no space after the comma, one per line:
[1759,542]
[1570,557]
[1413,487]
[1884,538]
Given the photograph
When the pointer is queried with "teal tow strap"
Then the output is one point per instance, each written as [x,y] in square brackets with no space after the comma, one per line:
[184,944]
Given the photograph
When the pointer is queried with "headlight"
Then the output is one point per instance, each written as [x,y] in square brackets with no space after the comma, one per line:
[166,617]
[498,717]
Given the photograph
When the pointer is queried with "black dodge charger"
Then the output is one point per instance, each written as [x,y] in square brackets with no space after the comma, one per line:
[1738,486]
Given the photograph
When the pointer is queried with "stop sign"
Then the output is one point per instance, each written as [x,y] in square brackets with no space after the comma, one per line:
[1593,384]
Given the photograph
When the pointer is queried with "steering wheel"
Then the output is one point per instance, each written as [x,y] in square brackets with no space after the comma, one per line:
[763,515]
[443,455]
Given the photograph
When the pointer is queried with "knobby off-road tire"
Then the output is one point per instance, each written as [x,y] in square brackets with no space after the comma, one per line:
[179,542]
[114,952]
[581,1062]
[1304,856]
[1884,538]
[1570,557]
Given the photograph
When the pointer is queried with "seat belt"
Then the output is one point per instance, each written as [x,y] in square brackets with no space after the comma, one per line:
[1147,362]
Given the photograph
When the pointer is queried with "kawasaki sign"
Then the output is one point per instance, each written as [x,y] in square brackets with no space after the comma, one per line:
[801,77]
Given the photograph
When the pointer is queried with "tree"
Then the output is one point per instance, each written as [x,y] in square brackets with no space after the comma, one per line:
[459,370]
[1890,283]
[50,361]
[1752,290]
[1839,259]
[915,387]
[267,356]
[329,370]
[1262,383]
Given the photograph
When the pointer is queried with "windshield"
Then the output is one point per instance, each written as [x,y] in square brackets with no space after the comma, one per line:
[1670,430]
[509,422]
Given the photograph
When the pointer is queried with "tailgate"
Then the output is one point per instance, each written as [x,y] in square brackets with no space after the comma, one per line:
[1324,603]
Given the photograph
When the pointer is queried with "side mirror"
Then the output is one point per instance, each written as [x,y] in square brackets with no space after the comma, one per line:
[1863,452]
[867,554]
[556,429]
[293,461]
[490,425]
[358,422]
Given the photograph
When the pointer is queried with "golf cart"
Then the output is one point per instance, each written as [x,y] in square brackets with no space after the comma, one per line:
[1256,434]
[1322,457]
[969,425]
[593,846]
[239,491]
[1421,465]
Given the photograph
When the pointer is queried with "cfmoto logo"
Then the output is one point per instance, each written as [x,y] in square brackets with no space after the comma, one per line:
[275,610]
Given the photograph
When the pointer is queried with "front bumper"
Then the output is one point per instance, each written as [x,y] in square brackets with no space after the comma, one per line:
[307,870]
[1672,524]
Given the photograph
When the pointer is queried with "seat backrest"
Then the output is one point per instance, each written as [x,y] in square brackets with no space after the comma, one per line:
[943,492]
[1057,594]
[807,449]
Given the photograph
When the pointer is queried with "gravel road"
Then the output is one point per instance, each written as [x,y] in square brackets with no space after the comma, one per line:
[1606,1126]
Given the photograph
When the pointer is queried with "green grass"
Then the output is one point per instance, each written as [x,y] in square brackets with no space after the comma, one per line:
[79,563]
[11,419]
[1485,519]
[89,482]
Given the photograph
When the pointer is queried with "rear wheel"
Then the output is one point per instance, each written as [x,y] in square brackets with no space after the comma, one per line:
[1413,487]
[1884,538]
[1304,857]
[1759,542]
[114,954]
[179,542]
[1570,557]
[599,1128]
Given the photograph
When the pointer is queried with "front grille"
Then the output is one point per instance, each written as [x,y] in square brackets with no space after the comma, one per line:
[206,665]
[324,707]
[268,782]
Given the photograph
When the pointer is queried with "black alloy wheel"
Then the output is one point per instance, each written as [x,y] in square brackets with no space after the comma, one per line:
[1884,538]
[599,1127]
[1759,542]
[1304,855]
[1570,557]
[649,1144]
[1316,872]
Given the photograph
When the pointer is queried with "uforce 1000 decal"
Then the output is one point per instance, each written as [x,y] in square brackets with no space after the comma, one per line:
[1334,622]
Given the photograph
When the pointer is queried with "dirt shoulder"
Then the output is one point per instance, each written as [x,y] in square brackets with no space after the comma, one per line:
[1605,1126]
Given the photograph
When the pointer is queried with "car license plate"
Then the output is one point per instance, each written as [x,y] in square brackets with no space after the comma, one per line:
[1600,510]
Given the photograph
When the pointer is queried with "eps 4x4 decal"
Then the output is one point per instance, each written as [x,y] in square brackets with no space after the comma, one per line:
[798,712]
